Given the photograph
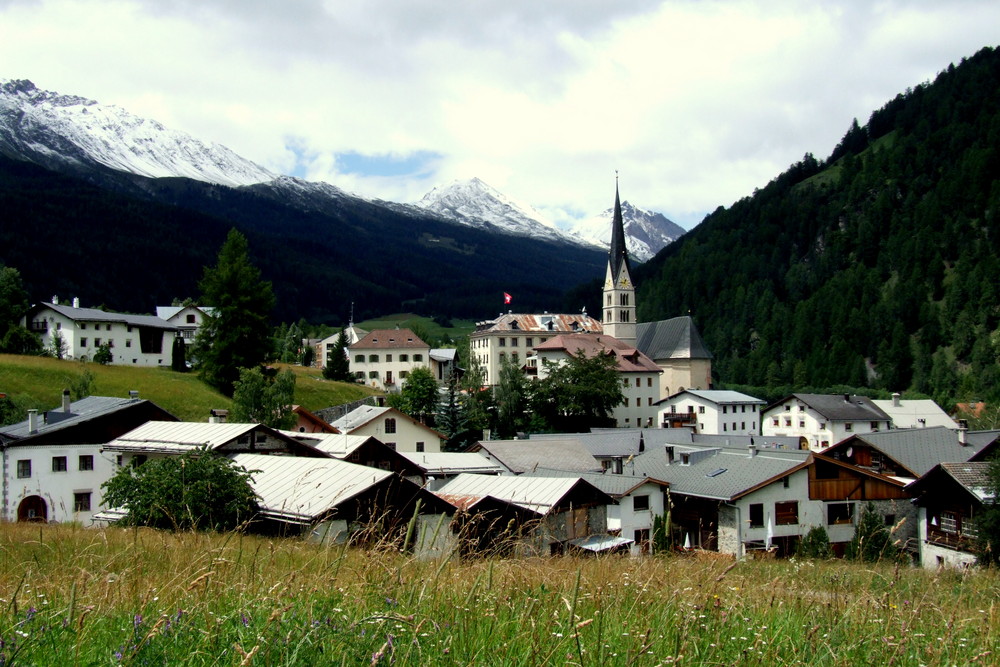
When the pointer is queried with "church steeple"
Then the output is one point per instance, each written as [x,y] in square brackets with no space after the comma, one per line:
[619,292]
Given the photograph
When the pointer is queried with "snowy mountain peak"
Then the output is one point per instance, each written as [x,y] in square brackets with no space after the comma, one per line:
[64,130]
[473,202]
[646,232]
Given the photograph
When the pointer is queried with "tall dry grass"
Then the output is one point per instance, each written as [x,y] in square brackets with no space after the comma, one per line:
[80,596]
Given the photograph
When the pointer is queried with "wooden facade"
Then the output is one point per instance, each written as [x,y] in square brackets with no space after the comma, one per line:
[833,480]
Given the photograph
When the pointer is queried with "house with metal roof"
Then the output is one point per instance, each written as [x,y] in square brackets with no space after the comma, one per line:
[134,340]
[518,456]
[437,468]
[363,450]
[949,497]
[395,429]
[711,411]
[822,420]
[53,462]
[567,511]
[915,413]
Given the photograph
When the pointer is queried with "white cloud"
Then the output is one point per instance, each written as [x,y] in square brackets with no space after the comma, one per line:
[696,103]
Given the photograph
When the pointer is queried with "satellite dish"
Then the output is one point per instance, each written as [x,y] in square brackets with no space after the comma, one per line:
[850,451]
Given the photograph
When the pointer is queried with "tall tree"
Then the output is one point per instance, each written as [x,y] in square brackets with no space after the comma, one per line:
[988,519]
[238,334]
[451,415]
[512,398]
[420,394]
[338,366]
[13,298]
[580,392]
[264,398]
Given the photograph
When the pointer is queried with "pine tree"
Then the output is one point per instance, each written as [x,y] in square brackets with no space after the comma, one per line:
[338,365]
[872,541]
[238,334]
[451,416]
[178,355]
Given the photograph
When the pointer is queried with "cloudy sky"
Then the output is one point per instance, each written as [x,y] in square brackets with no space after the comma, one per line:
[694,103]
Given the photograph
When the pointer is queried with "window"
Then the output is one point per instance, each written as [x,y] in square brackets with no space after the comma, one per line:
[81,501]
[97,342]
[24,468]
[774,422]
[190,318]
[373,358]
[637,382]
[786,513]
[839,513]
[701,409]
[528,342]
[83,325]
[128,342]
[802,408]
[649,382]
[388,358]
[756,515]
[404,357]
[640,504]
[949,522]
[391,445]
[502,342]
[638,402]
[848,426]
[417,358]
[785,481]
[874,426]
[725,409]
[86,462]
[420,446]
[83,342]
[404,374]
[58,464]
[513,342]
[802,423]
[107,327]
[788,421]
[372,375]
[390,425]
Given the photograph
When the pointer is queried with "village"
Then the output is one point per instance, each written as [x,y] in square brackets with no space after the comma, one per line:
[723,471]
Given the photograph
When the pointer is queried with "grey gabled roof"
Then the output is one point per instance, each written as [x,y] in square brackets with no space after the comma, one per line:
[919,449]
[95,315]
[80,411]
[538,494]
[358,417]
[676,338]
[614,485]
[523,455]
[717,396]
[739,474]
[838,407]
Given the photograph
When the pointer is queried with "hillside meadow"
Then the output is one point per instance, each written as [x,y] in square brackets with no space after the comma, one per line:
[39,381]
[70,595]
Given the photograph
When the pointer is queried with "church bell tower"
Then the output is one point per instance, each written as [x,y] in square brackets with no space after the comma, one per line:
[619,292]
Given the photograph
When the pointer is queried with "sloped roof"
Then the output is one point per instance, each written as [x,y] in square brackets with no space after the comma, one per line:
[390,339]
[717,396]
[602,443]
[676,338]
[453,463]
[178,437]
[337,445]
[303,489]
[718,474]
[359,416]
[443,353]
[915,413]
[522,455]
[81,411]
[538,494]
[544,323]
[919,449]
[630,359]
[95,315]
[838,407]
[973,476]
[613,484]
[618,251]
[166,312]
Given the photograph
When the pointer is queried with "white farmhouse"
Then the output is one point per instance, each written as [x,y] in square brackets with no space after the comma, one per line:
[395,429]
[385,357]
[188,319]
[915,413]
[711,412]
[822,420]
[134,340]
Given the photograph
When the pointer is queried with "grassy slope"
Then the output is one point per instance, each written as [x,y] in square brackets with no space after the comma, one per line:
[90,597]
[39,381]
[458,329]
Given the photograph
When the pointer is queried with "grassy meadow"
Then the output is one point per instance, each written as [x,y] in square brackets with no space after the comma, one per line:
[459,328]
[75,596]
[39,381]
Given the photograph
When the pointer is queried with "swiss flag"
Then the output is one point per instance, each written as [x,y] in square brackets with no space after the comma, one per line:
[506,298]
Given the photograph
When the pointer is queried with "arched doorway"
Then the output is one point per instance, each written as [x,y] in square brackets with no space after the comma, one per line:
[33,508]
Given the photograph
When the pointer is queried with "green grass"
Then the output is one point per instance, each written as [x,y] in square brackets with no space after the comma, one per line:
[458,329]
[39,381]
[80,596]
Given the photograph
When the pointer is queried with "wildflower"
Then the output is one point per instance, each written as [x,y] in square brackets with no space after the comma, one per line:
[137,621]
[245,620]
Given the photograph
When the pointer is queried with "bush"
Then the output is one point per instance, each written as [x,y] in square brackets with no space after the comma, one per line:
[816,544]
[872,541]
[195,491]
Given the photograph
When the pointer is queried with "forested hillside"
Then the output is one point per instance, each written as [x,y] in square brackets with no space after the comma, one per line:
[877,267]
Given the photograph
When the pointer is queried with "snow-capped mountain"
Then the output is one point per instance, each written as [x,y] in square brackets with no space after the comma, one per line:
[476,204]
[646,232]
[62,131]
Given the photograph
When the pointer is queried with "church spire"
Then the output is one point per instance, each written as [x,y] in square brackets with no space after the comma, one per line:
[618,254]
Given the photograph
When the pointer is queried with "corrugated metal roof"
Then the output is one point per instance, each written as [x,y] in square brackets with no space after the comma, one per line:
[453,463]
[676,338]
[914,413]
[157,436]
[544,323]
[95,315]
[538,494]
[523,455]
[303,489]
[718,396]
[337,445]
[614,485]
[80,411]
[359,416]
[598,543]
[835,408]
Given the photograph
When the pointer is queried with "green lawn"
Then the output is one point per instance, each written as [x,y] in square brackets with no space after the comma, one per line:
[459,328]
[38,382]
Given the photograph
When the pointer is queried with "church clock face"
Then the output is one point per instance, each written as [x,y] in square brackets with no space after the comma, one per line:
[625,283]
[607,284]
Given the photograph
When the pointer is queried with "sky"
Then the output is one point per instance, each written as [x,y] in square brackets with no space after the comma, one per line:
[693,104]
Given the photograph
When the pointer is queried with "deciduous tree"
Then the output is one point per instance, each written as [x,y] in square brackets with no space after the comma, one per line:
[261,397]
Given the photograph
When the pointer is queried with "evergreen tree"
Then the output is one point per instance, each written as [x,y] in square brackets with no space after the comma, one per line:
[478,403]
[13,299]
[512,399]
[451,416]
[264,398]
[872,541]
[815,544]
[338,365]
[178,355]
[237,335]
[988,519]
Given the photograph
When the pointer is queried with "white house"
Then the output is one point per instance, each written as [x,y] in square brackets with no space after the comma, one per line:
[637,372]
[915,413]
[513,337]
[385,357]
[395,429]
[188,319]
[711,412]
[822,420]
[325,347]
[140,340]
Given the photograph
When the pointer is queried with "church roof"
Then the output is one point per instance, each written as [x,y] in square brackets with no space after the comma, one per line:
[618,253]
[676,338]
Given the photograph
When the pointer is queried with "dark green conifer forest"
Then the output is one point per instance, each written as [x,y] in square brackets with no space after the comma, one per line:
[877,267]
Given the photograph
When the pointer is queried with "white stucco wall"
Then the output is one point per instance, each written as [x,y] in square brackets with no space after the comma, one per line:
[714,419]
[407,434]
[82,340]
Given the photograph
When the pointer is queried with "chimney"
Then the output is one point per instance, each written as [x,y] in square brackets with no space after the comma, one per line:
[133,394]
[963,432]
[895,399]
[32,421]
[65,400]
[55,300]
[642,443]
[847,398]
[218,416]
[76,302]
[670,454]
